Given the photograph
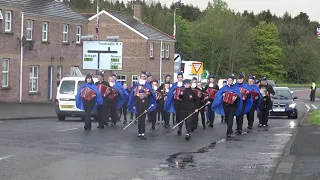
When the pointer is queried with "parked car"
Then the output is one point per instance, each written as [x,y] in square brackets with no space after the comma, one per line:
[284,103]
[272,83]
[66,97]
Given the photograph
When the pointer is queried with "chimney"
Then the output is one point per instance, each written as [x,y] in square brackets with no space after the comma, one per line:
[137,10]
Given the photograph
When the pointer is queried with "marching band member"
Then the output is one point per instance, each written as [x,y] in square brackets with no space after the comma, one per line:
[200,94]
[102,86]
[141,105]
[189,104]
[165,114]
[134,94]
[265,106]
[223,119]
[246,104]
[256,98]
[88,98]
[173,102]
[153,114]
[203,100]
[211,89]
[149,80]
[264,85]
[167,80]
[228,103]
[124,108]
[115,100]
[123,91]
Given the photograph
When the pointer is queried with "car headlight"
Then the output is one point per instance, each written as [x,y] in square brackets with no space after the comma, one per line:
[293,105]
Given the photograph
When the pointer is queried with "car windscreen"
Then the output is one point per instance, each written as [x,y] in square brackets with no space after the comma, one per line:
[67,87]
[282,94]
[80,83]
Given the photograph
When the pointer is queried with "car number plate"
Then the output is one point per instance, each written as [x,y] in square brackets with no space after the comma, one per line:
[66,106]
[278,110]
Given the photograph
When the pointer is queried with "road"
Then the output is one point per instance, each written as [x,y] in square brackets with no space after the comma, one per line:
[53,150]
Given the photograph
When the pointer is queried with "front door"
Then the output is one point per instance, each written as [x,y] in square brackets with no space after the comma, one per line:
[50,83]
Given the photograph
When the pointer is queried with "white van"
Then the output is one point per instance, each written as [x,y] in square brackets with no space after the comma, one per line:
[66,97]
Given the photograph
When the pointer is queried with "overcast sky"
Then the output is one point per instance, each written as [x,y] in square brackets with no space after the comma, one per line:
[279,7]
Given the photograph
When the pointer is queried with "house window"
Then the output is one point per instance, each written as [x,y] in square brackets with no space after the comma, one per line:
[121,78]
[151,50]
[1,17]
[45,31]
[65,33]
[33,79]
[29,29]
[59,74]
[167,51]
[5,72]
[134,79]
[8,21]
[78,35]
[162,51]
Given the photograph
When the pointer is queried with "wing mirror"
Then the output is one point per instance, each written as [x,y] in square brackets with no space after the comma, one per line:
[295,97]
[291,92]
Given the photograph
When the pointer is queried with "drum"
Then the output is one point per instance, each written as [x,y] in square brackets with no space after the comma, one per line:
[87,93]
[158,95]
[229,97]
[137,88]
[198,92]
[113,93]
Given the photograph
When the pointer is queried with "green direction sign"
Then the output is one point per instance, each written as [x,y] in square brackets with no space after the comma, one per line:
[205,74]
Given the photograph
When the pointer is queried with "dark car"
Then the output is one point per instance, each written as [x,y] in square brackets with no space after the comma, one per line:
[283,103]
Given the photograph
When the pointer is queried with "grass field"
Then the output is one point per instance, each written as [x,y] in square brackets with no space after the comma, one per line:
[314,118]
[295,85]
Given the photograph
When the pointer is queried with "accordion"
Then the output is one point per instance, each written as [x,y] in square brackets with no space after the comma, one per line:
[198,92]
[104,90]
[229,97]
[136,90]
[255,96]
[244,93]
[158,95]
[87,93]
[205,97]
[113,93]
[177,93]
[211,93]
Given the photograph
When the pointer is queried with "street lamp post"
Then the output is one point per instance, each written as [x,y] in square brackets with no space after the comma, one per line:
[174,23]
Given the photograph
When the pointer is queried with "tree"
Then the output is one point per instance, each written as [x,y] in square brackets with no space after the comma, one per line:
[268,55]
[185,42]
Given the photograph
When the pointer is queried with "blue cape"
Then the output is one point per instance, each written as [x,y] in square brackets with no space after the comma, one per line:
[217,104]
[168,104]
[124,92]
[98,99]
[121,98]
[256,89]
[151,98]
[249,100]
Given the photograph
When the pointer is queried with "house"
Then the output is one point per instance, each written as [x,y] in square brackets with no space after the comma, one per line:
[141,43]
[51,44]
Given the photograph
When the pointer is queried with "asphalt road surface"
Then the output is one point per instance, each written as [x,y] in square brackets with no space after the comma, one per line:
[53,150]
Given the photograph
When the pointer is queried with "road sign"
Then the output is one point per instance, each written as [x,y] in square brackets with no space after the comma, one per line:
[197,68]
[102,55]
[177,63]
[205,74]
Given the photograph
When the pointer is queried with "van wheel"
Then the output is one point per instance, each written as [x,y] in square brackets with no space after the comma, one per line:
[61,118]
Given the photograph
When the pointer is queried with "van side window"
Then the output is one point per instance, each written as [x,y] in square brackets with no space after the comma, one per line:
[67,87]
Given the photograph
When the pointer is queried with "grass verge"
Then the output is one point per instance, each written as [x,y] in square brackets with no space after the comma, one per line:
[295,85]
[314,118]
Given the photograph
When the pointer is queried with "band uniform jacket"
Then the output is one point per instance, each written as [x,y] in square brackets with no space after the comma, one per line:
[190,100]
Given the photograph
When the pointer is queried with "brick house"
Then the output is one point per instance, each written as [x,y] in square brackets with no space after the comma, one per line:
[141,43]
[51,45]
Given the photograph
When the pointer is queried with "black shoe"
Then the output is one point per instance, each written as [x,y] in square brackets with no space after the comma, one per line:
[153,128]
[107,124]
[211,125]
[179,133]
[87,129]
[101,127]
[125,122]
[228,135]
[208,122]
[238,132]
[267,125]
[188,137]
[192,130]
[260,125]
[249,127]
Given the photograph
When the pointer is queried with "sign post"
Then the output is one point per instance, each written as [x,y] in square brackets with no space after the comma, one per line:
[102,55]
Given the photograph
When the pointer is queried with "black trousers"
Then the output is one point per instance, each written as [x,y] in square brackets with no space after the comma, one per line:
[124,110]
[166,117]
[196,118]
[153,117]
[149,117]
[250,115]
[239,118]
[88,106]
[188,122]
[141,123]
[230,112]
[313,95]
[112,112]
[264,117]
[102,113]
[177,114]
[211,115]
[160,111]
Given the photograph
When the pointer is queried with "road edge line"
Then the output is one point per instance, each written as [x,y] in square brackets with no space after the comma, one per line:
[27,118]
[284,168]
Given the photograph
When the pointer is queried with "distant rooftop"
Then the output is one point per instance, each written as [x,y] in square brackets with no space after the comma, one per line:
[50,9]
[144,28]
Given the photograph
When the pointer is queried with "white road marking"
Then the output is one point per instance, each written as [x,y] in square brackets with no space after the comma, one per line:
[271,153]
[67,129]
[314,106]
[6,157]
[283,134]
[308,107]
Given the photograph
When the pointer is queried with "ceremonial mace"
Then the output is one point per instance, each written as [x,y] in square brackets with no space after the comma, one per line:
[138,116]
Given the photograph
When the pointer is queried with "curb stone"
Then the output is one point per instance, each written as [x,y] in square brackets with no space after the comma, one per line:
[28,118]
[285,165]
